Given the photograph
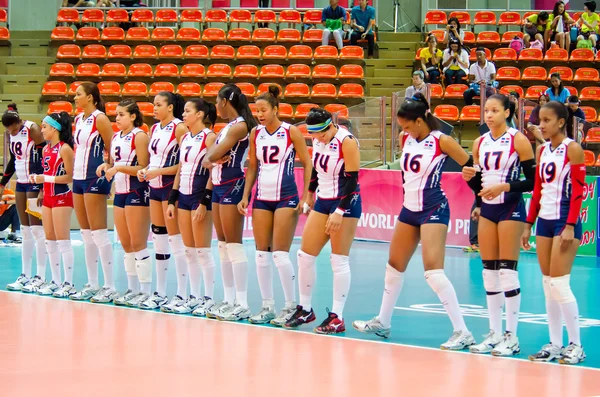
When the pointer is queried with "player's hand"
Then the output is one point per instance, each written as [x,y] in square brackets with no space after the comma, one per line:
[141,174]
[334,222]
[525,237]
[475,214]
[566,237]
[101,168]
[468,173]
[151,174]
[200,213]
[110,173]
[37,179]
[224,159]
[490,193]
[171,211]
[243,206]
[300,206]
[309,203]
[363,36]
[40,199]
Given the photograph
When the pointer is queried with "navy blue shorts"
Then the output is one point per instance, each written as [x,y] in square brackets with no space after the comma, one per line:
[553,228]
[497,213]
[190,202]
[229,193]
[136,198]
[290,202]
[160,193]
[28,187]
[92,186]
[325,206]
[438,214]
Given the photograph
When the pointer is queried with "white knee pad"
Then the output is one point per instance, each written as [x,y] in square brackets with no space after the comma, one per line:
[38,232]
[51,246]
[305,260]
[281,258]
[205,257]
[262,259]
[64,246]
[177,246]
[129,261]
[547,288]
[437,280]
[143,269]
[340,264]
[236,253]
[223,256]
[561,289]
[86,236]
[161,243]
[491,280]
[191,254]
[100,238]
[26,233]
[509,280]
[143,254]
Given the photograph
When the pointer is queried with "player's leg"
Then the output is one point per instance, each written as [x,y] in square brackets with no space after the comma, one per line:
[262,228]
[48,287]
[37,229]
[122,230]
[138,224]
[181,264]
[62,229]
[28,243]
[203,239]
[90,248]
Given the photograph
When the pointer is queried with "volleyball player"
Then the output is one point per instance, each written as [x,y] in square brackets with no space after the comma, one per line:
[334,216]
[500,154]
[424,218]
[273,147]
[191,191]
[26,146]
[93,133]
[128,155]
[57,201]
[557,198]
[160,173]
[226,159]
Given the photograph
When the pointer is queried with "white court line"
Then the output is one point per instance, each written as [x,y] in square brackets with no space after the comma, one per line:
[240,323]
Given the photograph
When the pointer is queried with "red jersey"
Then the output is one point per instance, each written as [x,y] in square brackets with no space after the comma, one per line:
[54,166]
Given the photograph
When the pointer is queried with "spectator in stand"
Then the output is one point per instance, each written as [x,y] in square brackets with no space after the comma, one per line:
[513,103]
[106,3]
[535,27]
[431,57]
[558,27]
[557,92]
[455,63]
[362,21]
[419,85]
[532,131]
[78,3]
[576,112]
[333,18]
[481,71]
[453,31]
[9,216]
[588,24]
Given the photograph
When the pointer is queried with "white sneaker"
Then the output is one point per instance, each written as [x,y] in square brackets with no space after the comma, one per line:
[155,301]
[175,301]
[65,290]
[458,341]
[34,285]
[549,352]
[47,288]
[573,354]
[85,294]
[373,326]
[219,309]
[489,343]
[137,300]
[193,302]
[236,314]
[105,295]
[186,306]
[204,307]
[126,297]
[265,315]
[18,285]
[286,313]
[508,347]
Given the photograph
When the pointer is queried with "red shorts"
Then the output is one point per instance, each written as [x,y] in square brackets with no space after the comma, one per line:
[62,200]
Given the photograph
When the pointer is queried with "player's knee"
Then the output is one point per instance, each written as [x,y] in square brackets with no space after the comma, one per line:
[51,246]
[547,288]
[176,244]
[491,281]
[100,238]
[305,260]
[38,232]
[340,264]
[437,280]
[161,242]
[509,278]
[143,268]
[191,255]
[561,289]
[281,258]
[26,233]
[236,253]
[129,261]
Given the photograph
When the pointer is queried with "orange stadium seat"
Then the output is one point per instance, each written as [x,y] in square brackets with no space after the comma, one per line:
[222,52]
[589,158]
[67,15]
[590,113]
[166,70]
[435,17]
[140,70]
[534,73]
[531,54]
[87,70]
[263,35]
[196,52]
[92,16]
[216,16]
[505,54]
[238,34]
[312,36]
[473,54]
[189,89]
[508,36]
[145,51]
[484,18]
[446,112]
[94,51]
[264,87]
[248,89]
[352,52]
[60,106]
[590,94]
[273,71]
[566,73]
[193,70]
[470,113]
[285,111]
[436,91]
[438,33]
[582,55]
[69,51]
[534,91]
[240,16]
[73,87]
[192,15]
[507,89]
[117,15]
[248,71]
[593,135]
[119,51]
[296,71]
[135,88]
[166,15]
[114,70]
[113,34]
[556,55]
[313,17]
[301,51]
[138,34]
[171,51]
[324,71]
[62,33]
[464,18]
[290,16]
[508,73]
[110,108]
[342,110]
[276,52]
[469,37]
[163,34]
[161,86]
[3,16]
[219,70]
[324,90]
[142,15]
[212,90]
[586,74]
[62,69]
[248,52]
[326,52]
[109,88]
[289,36]
[455,91]
[572,90]
[510,18]
[115,127]
[351,72]
[54,88]
[265,16]
[188,34]
[351,90]
[297,90]
[303,109]
[213,34]
[488,37]
[219,126]
[146,108]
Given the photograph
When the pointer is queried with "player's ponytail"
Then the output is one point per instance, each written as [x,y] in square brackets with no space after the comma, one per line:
[92,89]
[271,96]
[133,109]
[176,100]
[417,107]
[238,100]
[65,132]
[209,110]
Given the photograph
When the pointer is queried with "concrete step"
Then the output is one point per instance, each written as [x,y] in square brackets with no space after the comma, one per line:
[397,46]
[23,79]
[29,51]
[22,89]
[379,91]
[27,108]
[399,73]
[4,51]
[390,63]
[30,34]
[406,37]
[19,99]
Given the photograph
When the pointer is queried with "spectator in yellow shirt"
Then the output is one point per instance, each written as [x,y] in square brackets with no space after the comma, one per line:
[431,57]
[558,27]
[535,26]
[588,23]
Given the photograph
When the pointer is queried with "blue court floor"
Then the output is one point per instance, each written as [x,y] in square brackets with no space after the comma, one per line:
[419,319]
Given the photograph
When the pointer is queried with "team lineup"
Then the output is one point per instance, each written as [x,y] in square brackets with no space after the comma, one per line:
[180,179]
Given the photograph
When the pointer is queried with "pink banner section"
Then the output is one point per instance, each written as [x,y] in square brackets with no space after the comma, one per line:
[381,192]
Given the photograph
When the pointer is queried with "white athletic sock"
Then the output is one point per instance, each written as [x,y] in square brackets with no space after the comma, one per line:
[104,245]
[495,305]
[54,256]
[441,285]
[287,275]
[307,277]
[27,247]
[66,250]
[226,274]
[40,249]
[568,307]
[142,260]
[207,262]
[264,273]
[393,286]
[132,278]
[513,303]
[91,257]
[161,249]
[194,270]
[555,327]
[181,264]
[342,277]
[239,264]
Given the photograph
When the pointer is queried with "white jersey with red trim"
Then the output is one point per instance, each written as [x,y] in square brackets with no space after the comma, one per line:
[275,153]
[27,158]
[421,163]
[328,160]
[192,176]
[233,169]
[164,152]
[499,162]
[89,153]
[554,170]
[123,153]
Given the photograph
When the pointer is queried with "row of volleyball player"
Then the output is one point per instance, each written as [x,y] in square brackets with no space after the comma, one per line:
[181,179]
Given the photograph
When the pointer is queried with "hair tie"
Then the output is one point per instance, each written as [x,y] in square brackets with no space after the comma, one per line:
[51,122]
[318,127]
[231,96]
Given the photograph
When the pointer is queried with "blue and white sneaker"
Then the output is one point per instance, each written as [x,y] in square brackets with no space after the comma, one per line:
[489,343]
[155,301]
[173,303]
[85,294]
[34,285]
[572,354]
[508,347]
[65,290]
[548,353]
[47,288]
[18,285]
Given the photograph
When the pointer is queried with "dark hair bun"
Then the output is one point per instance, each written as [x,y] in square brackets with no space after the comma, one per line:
[12,106]
[274,90]
[419,97]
